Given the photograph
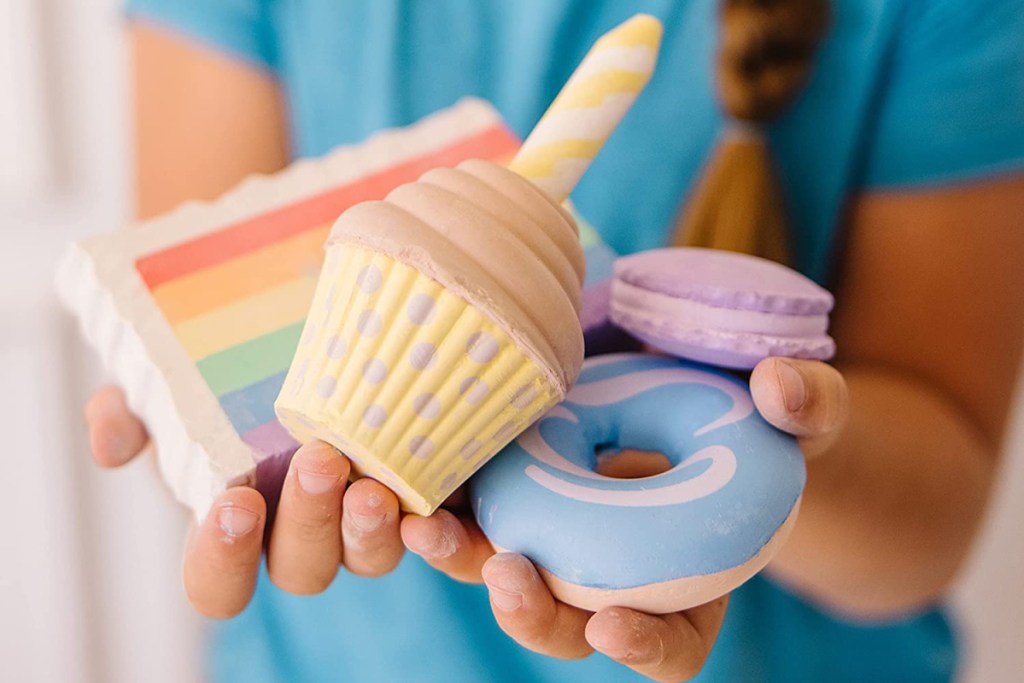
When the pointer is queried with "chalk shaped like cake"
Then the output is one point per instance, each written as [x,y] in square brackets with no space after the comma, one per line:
[198,313]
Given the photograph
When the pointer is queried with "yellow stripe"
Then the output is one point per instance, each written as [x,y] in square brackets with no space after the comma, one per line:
[539,162]
[212,288]
[247,319]
[643,29]
[592,91]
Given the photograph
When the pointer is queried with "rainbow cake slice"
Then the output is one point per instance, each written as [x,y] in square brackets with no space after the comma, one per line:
[198,313]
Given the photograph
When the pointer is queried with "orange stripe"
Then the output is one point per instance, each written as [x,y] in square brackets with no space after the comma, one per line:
[210,288]
[271,227]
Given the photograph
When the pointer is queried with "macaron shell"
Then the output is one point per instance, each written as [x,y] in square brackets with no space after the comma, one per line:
[737,350]
[724,279]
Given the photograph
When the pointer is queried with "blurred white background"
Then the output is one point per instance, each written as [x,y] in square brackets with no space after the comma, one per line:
[89,586]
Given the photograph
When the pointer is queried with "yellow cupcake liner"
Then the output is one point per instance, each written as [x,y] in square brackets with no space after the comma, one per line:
[417,386]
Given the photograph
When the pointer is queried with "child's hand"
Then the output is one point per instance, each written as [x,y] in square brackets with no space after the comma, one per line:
[669,647]
[320,524]
[805,398]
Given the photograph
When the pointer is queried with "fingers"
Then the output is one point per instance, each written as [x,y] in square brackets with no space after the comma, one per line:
[115,435]
[369,526]
[805,398]
[671,647]
[223,554]
[457,548]
[529,614]
[305,545]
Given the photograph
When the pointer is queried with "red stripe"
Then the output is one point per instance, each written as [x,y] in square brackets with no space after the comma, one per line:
[259,231]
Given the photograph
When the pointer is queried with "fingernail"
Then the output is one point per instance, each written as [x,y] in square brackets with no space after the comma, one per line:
[794,392]
[315,483]
[236,521]
[505,600]
[366,523]
[504,584]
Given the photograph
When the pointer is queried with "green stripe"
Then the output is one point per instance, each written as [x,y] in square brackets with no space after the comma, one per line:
[232,369]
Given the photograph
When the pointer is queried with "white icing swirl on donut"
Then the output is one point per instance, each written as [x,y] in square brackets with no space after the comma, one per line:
[607,392]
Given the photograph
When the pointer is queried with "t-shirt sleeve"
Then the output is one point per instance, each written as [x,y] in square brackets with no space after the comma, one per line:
[242,28]
[951,106]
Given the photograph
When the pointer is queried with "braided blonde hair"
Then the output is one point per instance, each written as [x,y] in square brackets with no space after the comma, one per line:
[765,56]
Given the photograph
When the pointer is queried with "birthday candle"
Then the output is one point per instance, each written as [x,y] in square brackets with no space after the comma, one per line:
[593,101]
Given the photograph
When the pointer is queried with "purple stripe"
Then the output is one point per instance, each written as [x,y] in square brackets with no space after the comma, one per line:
[270,439]
[276,447]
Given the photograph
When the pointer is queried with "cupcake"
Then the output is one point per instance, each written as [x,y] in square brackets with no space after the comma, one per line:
[445,321]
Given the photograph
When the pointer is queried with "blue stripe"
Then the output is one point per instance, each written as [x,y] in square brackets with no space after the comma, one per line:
[253,406]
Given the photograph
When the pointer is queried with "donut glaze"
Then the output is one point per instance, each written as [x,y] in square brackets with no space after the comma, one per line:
[662,543]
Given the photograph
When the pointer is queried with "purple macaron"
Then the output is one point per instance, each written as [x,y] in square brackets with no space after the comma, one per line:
[719,307]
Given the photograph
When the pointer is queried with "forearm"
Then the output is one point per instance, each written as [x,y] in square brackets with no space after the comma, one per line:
[203,121]
[890,509]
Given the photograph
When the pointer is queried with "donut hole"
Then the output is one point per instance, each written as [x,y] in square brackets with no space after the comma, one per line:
[630,463]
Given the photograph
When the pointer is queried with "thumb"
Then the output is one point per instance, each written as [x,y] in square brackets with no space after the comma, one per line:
[805,398]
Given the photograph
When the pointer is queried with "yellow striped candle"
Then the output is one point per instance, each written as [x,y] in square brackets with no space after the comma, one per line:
[595,98]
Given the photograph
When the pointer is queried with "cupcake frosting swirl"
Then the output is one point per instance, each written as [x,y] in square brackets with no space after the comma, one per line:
[496,240]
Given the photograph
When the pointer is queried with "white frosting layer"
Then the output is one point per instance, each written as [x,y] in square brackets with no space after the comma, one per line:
[665,310]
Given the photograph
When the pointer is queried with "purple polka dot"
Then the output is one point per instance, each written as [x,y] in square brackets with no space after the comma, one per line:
[369,279]
[369,323]
[471,448]
[426,406]
[336,347]
[325,387]
[449,483]
[374,416]
[310,334]
[374,371]
[524,396]
[506,432]
[421,447]
[421,309]
[423,355]
[300,377]
[474,390]
[482,347]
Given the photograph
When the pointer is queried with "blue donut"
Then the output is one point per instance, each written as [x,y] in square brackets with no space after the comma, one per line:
[661,543]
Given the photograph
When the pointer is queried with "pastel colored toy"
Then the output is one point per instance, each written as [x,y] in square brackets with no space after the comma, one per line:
[722,308]
[447,315]
[661,543]
[198,313]
[425,349]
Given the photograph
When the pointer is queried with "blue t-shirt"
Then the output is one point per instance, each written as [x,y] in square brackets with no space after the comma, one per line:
[905,93]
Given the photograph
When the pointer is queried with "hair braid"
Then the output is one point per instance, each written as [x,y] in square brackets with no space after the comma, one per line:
[765,55]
